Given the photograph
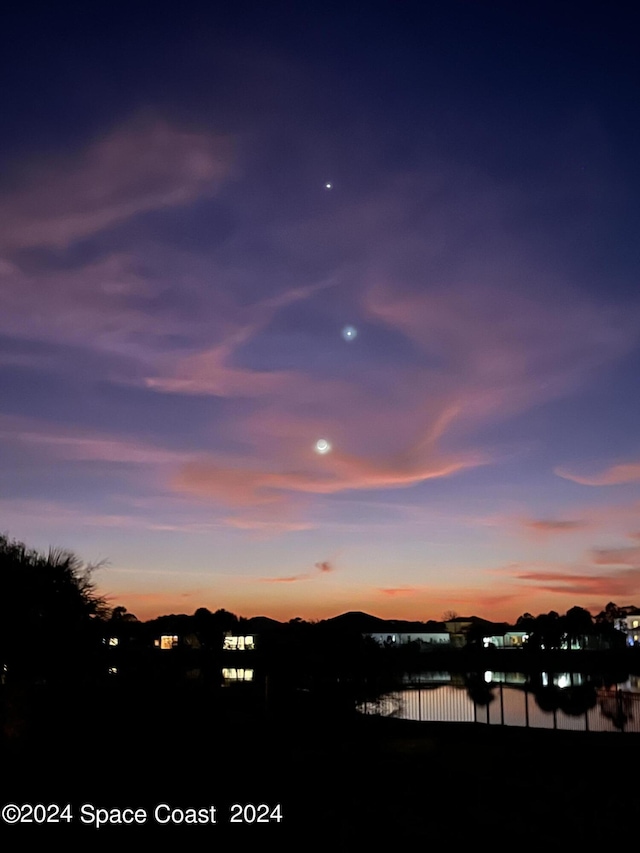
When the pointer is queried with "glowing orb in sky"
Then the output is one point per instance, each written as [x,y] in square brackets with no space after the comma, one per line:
[322,446]
[328,186]
[349,333]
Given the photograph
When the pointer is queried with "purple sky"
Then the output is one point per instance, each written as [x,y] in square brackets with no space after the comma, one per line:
[176,277]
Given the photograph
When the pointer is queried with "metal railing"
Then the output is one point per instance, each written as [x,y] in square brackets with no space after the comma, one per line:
[614,710]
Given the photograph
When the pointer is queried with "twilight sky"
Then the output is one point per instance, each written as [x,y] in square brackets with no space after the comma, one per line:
[196,200]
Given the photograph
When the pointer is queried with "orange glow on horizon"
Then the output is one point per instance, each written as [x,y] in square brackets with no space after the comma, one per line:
[493,607]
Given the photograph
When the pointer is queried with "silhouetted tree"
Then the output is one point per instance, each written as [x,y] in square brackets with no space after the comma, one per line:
[225,621]
[121,614]
[610,615]
[547,631]
[480,629]
[526,622]
[211,627]
[48,607]
[578,623]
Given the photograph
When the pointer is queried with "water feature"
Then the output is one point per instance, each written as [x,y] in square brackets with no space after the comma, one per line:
[565,701]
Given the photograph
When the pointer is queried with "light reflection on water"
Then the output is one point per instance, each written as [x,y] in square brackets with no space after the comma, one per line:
[564,701]
[232,675]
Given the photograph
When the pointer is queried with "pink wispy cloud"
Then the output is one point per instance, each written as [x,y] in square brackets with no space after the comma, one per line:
[502,349]
[494,350]
[211,372]
[619,583]
[142,166]
[289,579]
[281,464]
[270,526]
[613,476]
[399,591]
[83,445]
[108,305]
[616,556]
[549,525]
[323,567]
[337,472]
[609,518]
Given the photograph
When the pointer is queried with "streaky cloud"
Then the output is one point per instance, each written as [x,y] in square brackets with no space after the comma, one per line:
[546,525]
[323,568]
[625,582]
[143,166]
[615,475]
[616,556]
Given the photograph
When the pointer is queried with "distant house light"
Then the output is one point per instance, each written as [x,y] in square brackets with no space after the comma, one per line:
[421,639]
[113,641]
[168,641]
[232,674]
[113,670]
[236,643]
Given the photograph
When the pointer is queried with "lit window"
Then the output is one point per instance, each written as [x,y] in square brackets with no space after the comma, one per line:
[635,624]
[238,643]
[168,641]
[113,641]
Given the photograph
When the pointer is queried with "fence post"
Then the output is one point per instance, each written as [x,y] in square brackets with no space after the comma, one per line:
[619,708]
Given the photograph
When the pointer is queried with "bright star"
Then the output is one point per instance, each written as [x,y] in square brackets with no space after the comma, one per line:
[328,186]
[349,333]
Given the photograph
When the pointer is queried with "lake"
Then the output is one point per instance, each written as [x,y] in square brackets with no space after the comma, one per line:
[565,701]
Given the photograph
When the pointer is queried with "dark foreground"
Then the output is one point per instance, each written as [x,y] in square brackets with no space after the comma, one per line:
[339,779]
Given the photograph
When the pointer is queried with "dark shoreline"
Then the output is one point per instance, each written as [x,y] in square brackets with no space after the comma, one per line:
[343,780]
